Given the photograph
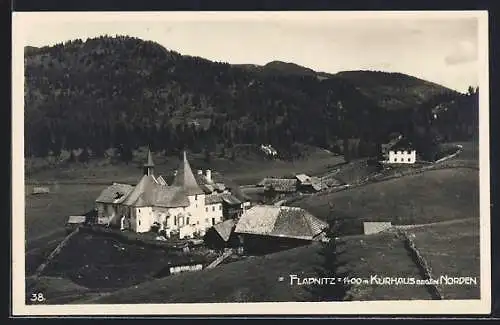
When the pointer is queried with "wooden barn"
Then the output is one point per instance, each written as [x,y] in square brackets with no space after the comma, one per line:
[221,235]
[265,229]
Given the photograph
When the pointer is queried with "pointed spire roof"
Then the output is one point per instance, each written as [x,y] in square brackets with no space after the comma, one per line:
[150,162]
[185,178]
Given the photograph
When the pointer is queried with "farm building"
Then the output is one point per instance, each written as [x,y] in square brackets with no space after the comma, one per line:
[279,185]
[40,190]
[375,227]
[309,184]
[221,235]
[74,222]
[264,228]
[186,207]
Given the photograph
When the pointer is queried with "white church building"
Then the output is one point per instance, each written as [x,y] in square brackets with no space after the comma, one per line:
[188,206]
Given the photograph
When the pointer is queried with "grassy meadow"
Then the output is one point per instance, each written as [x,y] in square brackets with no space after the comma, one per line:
[432,196]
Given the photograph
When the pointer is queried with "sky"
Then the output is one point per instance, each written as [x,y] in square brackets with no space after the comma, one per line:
[441,49]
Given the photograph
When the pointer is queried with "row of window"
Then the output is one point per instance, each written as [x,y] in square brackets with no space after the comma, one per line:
[213,208]
[401,160]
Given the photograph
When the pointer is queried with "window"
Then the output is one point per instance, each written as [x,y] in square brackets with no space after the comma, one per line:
[187,220]
[213,209]
[175,221]
[206,209]
[213,221]
[196,197]
[220,207]
[139,222]
[409,159]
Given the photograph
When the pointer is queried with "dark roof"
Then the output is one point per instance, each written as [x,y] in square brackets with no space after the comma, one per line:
[279,184]
[280,221]
[403,144]
[115,193]
[186,179]
[225,229]
[220,197]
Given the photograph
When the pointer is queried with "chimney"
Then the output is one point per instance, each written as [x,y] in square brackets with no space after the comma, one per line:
[200,172]
[208,175]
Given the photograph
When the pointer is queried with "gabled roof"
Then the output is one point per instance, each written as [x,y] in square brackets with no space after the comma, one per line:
[115,193]
[224,229]
[222,197]
[303,178]
[76,219]
[161,181]
[170,197]
[279,184]
[280,221]
[186,179]
[137,196]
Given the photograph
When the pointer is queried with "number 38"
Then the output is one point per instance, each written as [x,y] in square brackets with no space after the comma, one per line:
[37,297]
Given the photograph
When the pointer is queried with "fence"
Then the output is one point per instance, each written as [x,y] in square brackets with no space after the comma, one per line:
[55,252]
[421,263]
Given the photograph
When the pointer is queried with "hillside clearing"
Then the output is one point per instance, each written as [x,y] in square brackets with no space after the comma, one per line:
[256,279]
[432,196]
[452,250]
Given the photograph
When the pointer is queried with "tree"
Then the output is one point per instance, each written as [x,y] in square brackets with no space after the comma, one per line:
[331,268]
[346,150]
[207,157]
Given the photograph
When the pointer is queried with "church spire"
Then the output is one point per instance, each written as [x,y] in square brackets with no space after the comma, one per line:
[185,178]
[149,165]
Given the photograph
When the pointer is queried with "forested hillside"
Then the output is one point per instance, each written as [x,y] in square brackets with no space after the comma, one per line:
[125,92]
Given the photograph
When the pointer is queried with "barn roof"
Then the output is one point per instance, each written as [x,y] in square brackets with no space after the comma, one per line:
[75,219]
[186,179]
[303,178]
[225,228]
[115,193]
[220,197]
[280,221]
[279,184]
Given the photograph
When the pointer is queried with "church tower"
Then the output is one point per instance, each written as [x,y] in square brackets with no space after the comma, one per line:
[149,166]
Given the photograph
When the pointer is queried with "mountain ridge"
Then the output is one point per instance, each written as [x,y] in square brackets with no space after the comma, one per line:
[76,96]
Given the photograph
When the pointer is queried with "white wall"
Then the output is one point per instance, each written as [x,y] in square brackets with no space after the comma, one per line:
[144,219]
[213,211]
[197,211]
[402,157]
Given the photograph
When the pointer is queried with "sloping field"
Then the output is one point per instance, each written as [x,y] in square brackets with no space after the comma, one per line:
[452,249]
[432,196]
[105,264]
[55,290]
[46,213]
[256,279]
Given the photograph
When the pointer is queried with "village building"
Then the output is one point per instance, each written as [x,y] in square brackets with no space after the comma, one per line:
[221,235]
[264,229]
[399,151]
[309,184]
[185,208]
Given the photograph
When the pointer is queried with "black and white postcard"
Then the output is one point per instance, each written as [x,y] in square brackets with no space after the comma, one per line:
[234,163]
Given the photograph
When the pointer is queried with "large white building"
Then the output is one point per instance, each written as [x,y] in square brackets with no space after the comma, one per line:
[188,206]
[399,151]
